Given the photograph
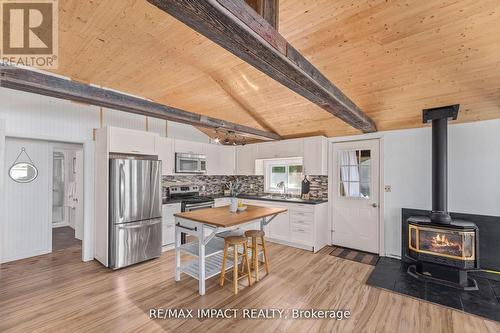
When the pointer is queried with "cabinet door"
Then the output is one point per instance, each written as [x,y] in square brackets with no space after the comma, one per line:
[183,146]
[123,140]
[280,149]
[211,151]
[168,222]
[245,159]
[165,151]
[219,202]
[279,227]
[226,160]
[316,156]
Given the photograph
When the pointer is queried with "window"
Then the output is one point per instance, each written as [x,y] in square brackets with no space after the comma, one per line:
[355,174]
[286,171]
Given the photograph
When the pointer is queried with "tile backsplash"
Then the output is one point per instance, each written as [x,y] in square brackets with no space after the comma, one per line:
[214,185]
[211,185]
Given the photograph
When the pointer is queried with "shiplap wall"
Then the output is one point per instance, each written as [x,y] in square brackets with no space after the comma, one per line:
[2,176]
[473,172]
[31,115]
[27,115]
[26,230]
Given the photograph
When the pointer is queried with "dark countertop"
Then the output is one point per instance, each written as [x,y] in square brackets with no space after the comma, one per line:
[258,197]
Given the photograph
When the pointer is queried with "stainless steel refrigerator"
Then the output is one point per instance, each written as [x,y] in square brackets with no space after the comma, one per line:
[134,211]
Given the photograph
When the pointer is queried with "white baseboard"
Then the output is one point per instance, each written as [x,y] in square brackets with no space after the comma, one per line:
[60,224]
[167,247]
[292,244]
[395,256]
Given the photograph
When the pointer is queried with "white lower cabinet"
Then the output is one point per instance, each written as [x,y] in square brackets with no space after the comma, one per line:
[219,202]
[168,222]
[303,226]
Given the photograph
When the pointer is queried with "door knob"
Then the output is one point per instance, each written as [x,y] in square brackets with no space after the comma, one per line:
[375,204]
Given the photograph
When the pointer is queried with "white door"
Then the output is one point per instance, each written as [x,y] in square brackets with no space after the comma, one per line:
[355,195]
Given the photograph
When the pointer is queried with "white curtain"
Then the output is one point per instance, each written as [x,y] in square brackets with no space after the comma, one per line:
[349,172]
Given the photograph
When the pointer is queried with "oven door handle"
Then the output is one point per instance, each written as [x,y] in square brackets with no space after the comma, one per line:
[201,205]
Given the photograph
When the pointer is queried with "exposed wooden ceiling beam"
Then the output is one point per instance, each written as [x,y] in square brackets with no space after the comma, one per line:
[49,85]
[239,29]
[270,12]
[268,9]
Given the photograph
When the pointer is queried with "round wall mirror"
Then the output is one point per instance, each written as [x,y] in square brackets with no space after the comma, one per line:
[23,172]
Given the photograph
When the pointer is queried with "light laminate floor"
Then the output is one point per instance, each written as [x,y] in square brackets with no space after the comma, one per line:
[59,293]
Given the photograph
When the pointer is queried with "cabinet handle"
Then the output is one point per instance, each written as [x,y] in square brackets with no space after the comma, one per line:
[188,228]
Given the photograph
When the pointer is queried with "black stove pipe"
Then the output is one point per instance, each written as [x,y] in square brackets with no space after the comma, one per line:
[440,171]
[439,117]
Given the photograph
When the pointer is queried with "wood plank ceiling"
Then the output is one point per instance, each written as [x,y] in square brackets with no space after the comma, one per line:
[393,59]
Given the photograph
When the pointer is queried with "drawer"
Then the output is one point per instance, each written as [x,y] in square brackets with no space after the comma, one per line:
[303,224]
[301,235]
[297,215]
[302,208]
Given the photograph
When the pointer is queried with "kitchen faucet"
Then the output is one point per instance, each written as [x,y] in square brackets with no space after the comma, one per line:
[282,186]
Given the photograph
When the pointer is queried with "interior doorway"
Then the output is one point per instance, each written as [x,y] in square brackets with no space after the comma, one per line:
[67,196]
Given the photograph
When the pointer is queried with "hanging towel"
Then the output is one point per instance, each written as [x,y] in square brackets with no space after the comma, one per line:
[71,198]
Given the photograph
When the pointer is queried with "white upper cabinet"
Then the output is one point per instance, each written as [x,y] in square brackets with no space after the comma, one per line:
[183,146]
[211,152]
[127,141]
[249,158]
[280,149]
[245,159]
[220,159]
[316,155]
[165,152]
[227,162]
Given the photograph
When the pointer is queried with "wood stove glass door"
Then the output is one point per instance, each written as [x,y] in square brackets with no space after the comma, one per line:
[355,195]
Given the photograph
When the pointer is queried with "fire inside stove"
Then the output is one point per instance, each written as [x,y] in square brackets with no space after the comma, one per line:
[454,244]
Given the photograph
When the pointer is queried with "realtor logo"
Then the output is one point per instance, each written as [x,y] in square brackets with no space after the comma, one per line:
[29,32]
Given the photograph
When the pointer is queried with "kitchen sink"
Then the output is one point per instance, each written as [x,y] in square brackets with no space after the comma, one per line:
[279,197]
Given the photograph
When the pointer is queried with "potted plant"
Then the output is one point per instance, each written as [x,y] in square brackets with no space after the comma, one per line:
[234,190]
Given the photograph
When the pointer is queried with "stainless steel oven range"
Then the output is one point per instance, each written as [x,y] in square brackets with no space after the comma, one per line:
[190,200]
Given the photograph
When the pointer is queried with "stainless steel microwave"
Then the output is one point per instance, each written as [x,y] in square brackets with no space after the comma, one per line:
[190,163]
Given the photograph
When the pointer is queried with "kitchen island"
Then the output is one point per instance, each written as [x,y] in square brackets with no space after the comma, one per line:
[204,224]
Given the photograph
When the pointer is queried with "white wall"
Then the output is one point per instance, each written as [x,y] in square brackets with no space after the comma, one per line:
[31,115]
[27,115]
[473,173]
[27,212]
[473,176]
[186,132]
[2,176]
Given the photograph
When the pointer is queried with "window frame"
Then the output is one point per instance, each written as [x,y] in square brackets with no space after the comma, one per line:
[341,182]
[286,162]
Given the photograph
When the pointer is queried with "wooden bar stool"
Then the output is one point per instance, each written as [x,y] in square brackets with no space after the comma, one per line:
[254,234]
[235,242]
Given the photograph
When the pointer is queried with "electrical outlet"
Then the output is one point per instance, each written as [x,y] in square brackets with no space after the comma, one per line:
[388,188]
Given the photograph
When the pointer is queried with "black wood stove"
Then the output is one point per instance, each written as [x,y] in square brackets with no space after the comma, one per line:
[444,250]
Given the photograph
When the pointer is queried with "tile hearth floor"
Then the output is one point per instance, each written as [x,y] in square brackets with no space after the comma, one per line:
[390,274]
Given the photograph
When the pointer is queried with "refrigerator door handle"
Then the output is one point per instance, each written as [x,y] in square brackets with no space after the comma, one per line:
[121,181]
[140,224]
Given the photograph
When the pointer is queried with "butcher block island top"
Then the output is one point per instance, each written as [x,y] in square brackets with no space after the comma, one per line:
[207,251]
[222,217]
